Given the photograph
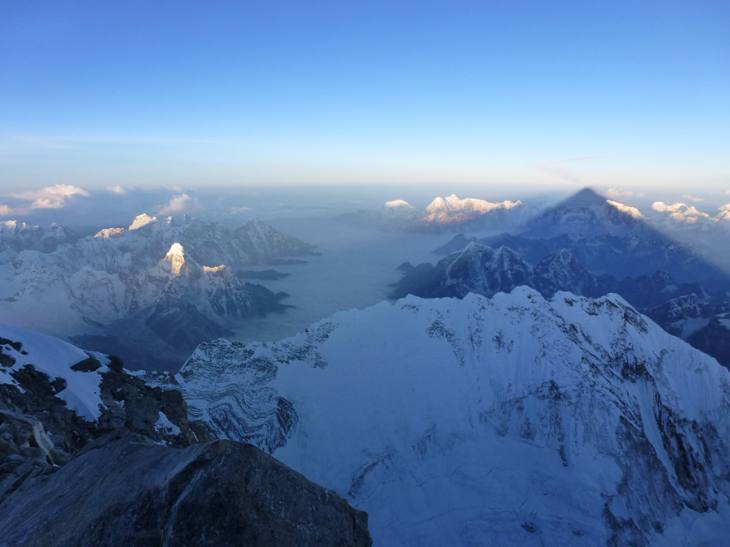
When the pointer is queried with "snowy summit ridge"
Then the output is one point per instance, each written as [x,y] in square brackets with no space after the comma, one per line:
[504,420]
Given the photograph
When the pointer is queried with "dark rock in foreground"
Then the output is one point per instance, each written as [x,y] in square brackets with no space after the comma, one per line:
[91,454]
[126,490]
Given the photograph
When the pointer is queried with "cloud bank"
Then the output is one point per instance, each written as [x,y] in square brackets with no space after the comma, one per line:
[177,204]
[51,197]
[681,212]
[117,189]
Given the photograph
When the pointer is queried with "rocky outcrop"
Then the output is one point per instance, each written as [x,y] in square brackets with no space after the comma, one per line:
[91,454]
[127,490]
[41,427]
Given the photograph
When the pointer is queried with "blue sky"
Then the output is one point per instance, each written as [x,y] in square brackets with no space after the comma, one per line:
[219,93]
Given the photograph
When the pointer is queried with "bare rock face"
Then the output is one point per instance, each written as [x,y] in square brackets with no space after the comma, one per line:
[124,489]
[91,454]
[38,430]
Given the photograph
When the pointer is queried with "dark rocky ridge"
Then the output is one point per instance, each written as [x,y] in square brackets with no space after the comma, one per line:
[125,479]
[127,490]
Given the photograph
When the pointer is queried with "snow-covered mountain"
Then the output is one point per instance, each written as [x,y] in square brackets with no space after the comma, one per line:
[586,213]
[480,269]
[158,284]
[702,322]
[455,210]
[606,236]
[446,213]
[513,420]
[486,271]
[476,268]
[16,236]
[70,395]
[687,310]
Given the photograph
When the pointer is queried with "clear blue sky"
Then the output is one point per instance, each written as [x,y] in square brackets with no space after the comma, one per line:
[145,93]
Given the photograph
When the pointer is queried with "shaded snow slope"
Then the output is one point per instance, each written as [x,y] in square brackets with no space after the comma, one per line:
[513,420]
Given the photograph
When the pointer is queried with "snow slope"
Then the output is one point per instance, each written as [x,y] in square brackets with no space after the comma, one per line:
[55,358]
[513,420]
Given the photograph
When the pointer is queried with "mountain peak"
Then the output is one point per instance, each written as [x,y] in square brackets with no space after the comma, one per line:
[586,197]
[542,396]
[141,220]
[176,258]
[586,214]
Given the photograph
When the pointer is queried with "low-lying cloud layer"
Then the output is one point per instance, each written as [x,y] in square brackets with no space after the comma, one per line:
[682,212]
[47,197]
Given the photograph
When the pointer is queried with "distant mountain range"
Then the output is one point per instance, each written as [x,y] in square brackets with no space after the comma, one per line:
[590,246]
[157,287]
[604,235]
[445,213]
[17,236]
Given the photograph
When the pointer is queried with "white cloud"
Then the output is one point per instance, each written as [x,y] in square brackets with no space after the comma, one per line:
[51,197]
[117,189]
[5,210]
[627,209]
[177,204]
[724,213]
[692,197]
[681,212]
[397,204]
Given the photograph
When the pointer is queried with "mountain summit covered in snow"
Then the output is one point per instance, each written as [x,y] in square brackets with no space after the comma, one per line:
[586,213]
[606,236]
[158,286]
[511,420]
